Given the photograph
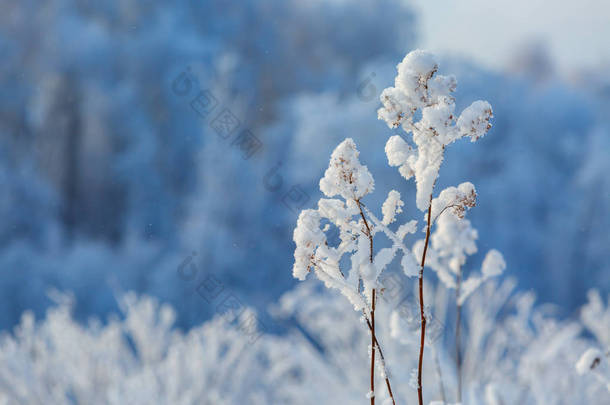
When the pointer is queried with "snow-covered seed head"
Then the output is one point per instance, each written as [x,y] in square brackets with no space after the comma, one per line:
[307,237]
[475,120]
[411,88]
[396,107]
[466,197]
[345,175]
[414,72]
[455,200]
[417,86]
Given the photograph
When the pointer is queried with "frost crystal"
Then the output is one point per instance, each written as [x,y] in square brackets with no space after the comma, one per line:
[392,206]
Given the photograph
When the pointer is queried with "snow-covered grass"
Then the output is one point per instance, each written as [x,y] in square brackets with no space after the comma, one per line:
[514,353]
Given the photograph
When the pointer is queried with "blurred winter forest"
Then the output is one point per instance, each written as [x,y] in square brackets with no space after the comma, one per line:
[111,178]
[118,173]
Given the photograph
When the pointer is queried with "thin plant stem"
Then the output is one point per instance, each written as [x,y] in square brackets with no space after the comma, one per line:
[421,309]
[368,230]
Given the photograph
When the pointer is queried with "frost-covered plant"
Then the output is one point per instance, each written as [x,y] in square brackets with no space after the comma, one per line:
[417,90]
[514,354]
[347,178]
[141,358]
[421,102]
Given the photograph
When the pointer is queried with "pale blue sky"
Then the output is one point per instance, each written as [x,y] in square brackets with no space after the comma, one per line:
[576,32]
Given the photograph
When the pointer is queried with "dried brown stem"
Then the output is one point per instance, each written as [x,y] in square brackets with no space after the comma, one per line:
[443,210]
[421,309]
[368,230]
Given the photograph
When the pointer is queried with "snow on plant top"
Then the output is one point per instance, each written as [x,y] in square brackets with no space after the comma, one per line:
[307,237]
[347,178]
[345,175]
[418,87]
